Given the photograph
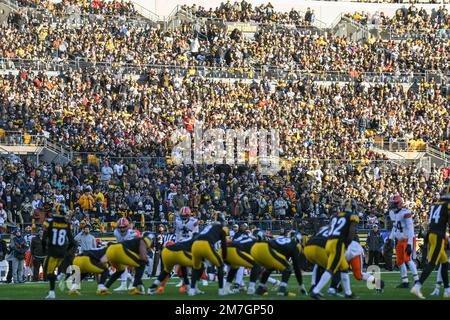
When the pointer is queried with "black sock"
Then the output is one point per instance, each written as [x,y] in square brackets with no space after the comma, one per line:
[139,272]
[444,274]
[265,276]
[104,276]
[52,279]
[184,275]
[196,274]
[116,275]
[426,272]
[220,276]
[256,270]
[231,274]
[285,275]
[335,280]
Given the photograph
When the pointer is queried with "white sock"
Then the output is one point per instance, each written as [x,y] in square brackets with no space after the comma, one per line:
[283,284]
[124,276]
[412,266]
[314,275]
[439,275]
[74,287]
[157,282]
[326,276]
[367,276]
[272,280]
[240,276]
[101,287]
[251,285]
[403,273]
[345,278]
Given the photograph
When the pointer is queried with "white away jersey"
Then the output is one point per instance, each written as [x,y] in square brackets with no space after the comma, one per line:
[130,234]
[403,226]
[353,250]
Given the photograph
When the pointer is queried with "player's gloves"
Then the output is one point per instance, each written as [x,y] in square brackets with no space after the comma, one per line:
[408,250]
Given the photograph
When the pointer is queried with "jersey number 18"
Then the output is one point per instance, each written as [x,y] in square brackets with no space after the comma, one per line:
[59,237]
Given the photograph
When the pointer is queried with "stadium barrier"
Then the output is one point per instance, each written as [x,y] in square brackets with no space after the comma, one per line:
[244,73]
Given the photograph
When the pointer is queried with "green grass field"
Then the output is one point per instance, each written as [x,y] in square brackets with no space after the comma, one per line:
[37,291]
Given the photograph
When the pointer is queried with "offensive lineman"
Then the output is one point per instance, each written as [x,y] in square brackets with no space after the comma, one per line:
[124,232]
[274,255]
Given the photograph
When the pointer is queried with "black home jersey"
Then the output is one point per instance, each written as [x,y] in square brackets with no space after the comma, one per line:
[95,254]
[57,236]
[320,238]
[243,243]
[340,225]
[212,233]
[184,245]
[132,245]
[439,213]
[284,245]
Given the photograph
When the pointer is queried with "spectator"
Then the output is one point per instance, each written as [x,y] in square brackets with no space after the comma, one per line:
[3,249]
[86,240]
[86,201]
[18,248]
[280,207]
[37,254]
[374,244]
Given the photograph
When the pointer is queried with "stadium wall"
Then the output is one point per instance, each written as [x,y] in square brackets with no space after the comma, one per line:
[326,11]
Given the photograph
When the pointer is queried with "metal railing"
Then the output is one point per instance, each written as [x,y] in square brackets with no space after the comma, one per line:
[11,3]
[442,155]
[220,72]
[276,226]
[37,15]
[19,138]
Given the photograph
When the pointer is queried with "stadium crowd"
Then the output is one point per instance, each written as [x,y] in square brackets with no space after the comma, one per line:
[124,122]
[407,19]
[193,44]
[99,7]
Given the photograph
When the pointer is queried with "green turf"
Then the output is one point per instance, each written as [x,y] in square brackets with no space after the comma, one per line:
[36,291]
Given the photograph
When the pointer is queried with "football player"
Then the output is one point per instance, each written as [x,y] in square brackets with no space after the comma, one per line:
[57,239]
[131,253]
[123,232]
[403,234]
[172,255]
[92,261]
[315,253]
[203,248]
[274,255]
[437,228]
[239,256]
[341,233]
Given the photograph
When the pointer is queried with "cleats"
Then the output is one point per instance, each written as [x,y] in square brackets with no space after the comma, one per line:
[182,289]
[316,296]
[417,292]
[123,287]
[160,290]
[260,291]
[103,292]
[74,293]
[403,285]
